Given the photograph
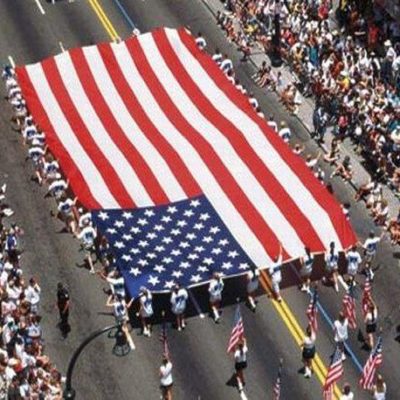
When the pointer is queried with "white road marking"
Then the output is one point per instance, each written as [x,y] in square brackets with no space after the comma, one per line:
[39,4]
[243,395]
[196,304]
[12,63]
[61,46]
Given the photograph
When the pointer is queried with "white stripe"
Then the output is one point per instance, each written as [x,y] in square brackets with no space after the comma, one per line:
[232,219]
[150,154]
[98,132]
[256,194]
[94,180]
[317,216]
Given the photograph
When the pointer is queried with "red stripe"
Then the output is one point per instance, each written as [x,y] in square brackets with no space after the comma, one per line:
[102,164]
[174,161]
[297,165]
[206,152]
[265,178]
[134,158]
[77,181]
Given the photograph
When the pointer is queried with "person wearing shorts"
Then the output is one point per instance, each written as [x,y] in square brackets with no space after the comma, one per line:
[307,262]
[332,266]
[166,379]
[146,310]
[341,331]
[178,300]
[308,353]
[252,287]
[353,261]
[276,275]
[240,357]
[215,290]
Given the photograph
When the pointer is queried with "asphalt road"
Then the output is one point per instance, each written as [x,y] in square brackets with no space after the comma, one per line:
[201,365]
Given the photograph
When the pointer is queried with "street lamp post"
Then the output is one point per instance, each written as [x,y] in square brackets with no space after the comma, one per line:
[121,348]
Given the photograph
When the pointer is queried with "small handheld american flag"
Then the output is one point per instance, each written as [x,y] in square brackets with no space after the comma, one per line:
[375,359]
[277,386]
[312,311]
[366,296]
[237,331]
[335,372]
[349,307]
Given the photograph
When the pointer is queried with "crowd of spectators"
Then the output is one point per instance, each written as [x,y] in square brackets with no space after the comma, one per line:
[349,64]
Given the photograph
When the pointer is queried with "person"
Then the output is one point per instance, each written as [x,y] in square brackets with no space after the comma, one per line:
[370,320]
[121,315]
[215,289]
[146,310]
[341,332]
[166,380]
[252,287]
[275,273]
[306,269]
[179,297]
[379,389]
[347,394]
[87,236]
[200,41]
[116,281]
[308,353]
[66,212]
[240,356]
[344,170]
[332,266]
[32,295]
[63,304]
[353,261]
[370,247]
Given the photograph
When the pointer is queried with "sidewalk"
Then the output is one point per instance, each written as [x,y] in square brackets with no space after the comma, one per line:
[304,115]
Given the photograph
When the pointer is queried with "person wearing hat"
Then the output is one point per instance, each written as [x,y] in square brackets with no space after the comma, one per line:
[252,287]
[166,379]
[63,305]
[215,289]
[179,297]
[146,310]
[347,394]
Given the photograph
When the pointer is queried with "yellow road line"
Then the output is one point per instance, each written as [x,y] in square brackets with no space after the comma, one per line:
[296,331]
[108,26]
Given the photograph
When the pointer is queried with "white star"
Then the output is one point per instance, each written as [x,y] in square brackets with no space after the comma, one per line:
[169,284]
[159,268]
[208,261]
[176,252]
[127,215]
[172,209]
[193,256]
[142,221]
[119,245]
[233,254]
[134,251]
[188,213]
[149,213]
[199,249]
[177,274]
[135,271]
[142,262]
[112,231]
[175,232]
[207,239]
[195,203]
[204,217]
[151,235]
[119,224]
[159,249]
[158,228]
[191,236]
[198,226]
[181,223]
[166,219]
[214,230]
[167,240]
[184,265]
[244,266]
[151,255]
[126,257]
[135,229]
[143,243]
[216,251]
[153,280]
[184,245]
[202,268]
[103,215]
[223,242]
[127,236]
[167,260]
[195,278]
[227,265]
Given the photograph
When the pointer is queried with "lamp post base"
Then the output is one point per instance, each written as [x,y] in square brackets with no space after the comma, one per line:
[69,394]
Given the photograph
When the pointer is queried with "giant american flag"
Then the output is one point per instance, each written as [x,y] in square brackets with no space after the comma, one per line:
[151,123]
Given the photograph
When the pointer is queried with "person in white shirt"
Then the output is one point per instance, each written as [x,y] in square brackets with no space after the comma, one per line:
[347,394]
[353,261]
[179,297]
[240,356]
[217,57]
[215,289]
[307,262]
[276,274]
[146,310]
[285,132]
[66,213]
[332,266]
[200,41]
[379,389]
[32,295]
[252,287]
[58,187]
[340,328]
[87,236]
[308,351]
[117,282]
[166,380]
[226,64]
[370,247]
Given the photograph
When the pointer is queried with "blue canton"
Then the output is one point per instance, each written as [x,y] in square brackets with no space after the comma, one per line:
[181,242]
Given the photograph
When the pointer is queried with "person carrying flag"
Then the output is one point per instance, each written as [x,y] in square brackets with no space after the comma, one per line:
[240,357]
[370,320]
[252,286]
[276,275]
[308,351]
[215,290]
[371,366]
[307,262]
[353,261]
[166,380]
[178,300]
[332,266]
[146,309]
